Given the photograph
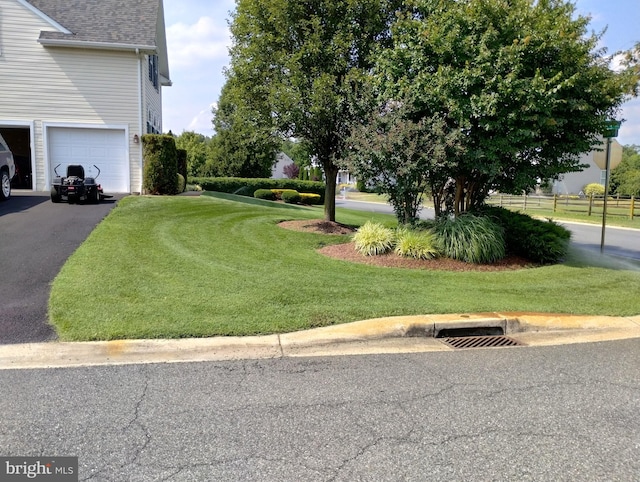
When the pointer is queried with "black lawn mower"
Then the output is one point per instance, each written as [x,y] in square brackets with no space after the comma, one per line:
[75,188]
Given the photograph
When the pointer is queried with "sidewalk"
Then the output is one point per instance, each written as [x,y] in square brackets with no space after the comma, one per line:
[401,334]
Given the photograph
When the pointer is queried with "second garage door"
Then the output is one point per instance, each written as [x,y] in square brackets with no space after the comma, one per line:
[105,148]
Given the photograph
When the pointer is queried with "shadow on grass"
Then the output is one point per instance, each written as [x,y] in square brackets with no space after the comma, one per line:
[255,201]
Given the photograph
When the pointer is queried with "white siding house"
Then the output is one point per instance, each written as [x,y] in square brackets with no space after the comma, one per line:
[76,87]
[574,182]
[282,160]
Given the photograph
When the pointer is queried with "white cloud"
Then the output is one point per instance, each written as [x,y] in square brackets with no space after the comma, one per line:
[192,44]
[202,122]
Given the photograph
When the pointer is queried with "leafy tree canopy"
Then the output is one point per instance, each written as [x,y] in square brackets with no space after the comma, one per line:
[625,178]
[521,80]
[244,144]
[306,58]
[198,151]
[297,150]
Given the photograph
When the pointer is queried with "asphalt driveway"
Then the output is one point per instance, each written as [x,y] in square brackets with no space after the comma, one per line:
[36,238]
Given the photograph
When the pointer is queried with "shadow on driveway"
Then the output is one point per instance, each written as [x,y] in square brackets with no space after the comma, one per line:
[36,238]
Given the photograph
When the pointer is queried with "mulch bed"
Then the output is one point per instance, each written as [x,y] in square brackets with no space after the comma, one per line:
[347,252]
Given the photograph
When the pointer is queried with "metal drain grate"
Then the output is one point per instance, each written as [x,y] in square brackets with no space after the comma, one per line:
[480,341]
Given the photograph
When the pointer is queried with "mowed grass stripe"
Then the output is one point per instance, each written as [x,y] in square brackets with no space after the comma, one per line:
[220,265]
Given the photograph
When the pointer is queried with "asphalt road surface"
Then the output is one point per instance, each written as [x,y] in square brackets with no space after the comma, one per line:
[36,238]
[564,413]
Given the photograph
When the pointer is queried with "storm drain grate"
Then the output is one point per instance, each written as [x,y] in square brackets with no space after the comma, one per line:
[480,341]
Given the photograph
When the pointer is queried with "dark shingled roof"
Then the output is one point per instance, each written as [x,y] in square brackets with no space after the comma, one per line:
[123,22]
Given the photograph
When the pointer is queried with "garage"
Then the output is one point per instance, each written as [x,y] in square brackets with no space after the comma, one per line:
[18,139]
[105,148]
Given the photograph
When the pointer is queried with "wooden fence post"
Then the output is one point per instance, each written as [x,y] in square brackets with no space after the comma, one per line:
[555,202]
[590,204]
[631,213]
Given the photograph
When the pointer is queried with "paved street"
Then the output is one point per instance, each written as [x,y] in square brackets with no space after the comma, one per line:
[36,238]
[546,413]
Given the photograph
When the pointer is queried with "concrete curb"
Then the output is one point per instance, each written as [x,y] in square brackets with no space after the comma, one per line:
[400,334]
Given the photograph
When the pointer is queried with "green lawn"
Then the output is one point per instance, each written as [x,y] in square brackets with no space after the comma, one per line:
[220,265]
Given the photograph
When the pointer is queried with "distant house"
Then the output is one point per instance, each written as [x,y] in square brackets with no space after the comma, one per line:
[81,83]
[346,177]
[282,160]
[574,182]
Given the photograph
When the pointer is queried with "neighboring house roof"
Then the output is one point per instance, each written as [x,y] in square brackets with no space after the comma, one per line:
[106,24]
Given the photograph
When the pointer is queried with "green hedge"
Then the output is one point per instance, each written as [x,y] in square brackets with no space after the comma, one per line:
[160,164]
[543,242]
[247,186]
[182,184]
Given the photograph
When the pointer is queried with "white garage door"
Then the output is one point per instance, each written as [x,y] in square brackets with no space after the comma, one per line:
[105,148]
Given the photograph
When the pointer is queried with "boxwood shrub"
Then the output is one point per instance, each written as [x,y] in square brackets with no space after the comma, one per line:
[310,198]
[291,197]
[280,192]
[267,194]
[247,186]
[543,242]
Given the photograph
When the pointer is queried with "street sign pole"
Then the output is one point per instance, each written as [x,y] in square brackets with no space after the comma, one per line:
[611,131]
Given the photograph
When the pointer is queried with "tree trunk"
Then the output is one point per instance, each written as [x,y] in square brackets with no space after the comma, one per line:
[330,174]
[458,204]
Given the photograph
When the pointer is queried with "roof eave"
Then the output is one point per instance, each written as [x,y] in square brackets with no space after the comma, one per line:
[97,45]
[165,82]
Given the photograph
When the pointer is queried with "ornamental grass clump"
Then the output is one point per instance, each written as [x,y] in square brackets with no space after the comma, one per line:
[373,238]
[470,238]
[412,243]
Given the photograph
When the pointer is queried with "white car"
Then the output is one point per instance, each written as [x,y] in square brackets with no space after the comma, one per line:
[7,170]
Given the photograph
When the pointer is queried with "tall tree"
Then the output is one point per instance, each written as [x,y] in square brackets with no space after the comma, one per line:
[244,144]
[308,56]
[521,79]
[197,147]
[625,178]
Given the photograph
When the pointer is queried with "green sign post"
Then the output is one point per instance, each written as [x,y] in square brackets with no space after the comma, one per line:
[611,130]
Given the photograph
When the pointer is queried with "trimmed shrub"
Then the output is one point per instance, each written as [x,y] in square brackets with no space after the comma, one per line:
[232,184]
[593,188]
[412,243]
[291,197]
[160,164]
[267,194]
[542,242]
[279,192]
[373,238]
[182,184]
[182,163]
[310,198]
[470,238]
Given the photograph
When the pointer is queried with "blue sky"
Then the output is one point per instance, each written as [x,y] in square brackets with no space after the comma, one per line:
[198,40]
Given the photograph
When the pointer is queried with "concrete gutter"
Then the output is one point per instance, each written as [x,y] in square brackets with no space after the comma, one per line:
[400,334]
